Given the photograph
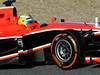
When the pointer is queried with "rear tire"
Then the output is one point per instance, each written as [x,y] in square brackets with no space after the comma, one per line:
[32,59]
[26,60]
[66,50]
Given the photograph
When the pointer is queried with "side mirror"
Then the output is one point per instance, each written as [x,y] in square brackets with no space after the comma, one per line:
[43,25]
[9,2]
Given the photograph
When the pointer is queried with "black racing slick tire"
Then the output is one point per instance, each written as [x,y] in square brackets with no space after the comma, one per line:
[26,60]
[66,50]
[32,59]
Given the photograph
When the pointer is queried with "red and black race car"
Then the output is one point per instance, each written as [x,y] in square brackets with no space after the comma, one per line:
[27,41]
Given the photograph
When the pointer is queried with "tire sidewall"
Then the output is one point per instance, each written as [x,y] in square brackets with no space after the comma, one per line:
[72,40]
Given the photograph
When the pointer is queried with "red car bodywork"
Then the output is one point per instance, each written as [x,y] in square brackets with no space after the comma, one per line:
[9,28]
[9,24]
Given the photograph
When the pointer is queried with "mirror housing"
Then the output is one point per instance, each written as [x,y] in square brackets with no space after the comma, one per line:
[9,2]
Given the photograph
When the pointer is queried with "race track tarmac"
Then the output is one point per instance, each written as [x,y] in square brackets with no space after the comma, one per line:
[93,69]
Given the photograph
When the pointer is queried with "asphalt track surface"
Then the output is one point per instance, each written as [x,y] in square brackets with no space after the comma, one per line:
[41,69]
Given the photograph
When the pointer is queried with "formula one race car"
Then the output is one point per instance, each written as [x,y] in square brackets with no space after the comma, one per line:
[25,41]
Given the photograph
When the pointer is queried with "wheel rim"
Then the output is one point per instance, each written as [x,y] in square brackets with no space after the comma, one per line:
[63,50]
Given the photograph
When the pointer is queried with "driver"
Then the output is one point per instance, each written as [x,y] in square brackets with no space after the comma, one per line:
[28,21]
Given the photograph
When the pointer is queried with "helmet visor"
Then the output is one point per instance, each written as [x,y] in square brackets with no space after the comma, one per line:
[29,21]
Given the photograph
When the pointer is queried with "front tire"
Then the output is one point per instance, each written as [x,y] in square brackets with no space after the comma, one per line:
[65,50]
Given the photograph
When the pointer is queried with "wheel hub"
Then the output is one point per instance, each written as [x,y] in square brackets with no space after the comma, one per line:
[63,50]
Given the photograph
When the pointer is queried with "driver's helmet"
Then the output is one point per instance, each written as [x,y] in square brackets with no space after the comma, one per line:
[25,20]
